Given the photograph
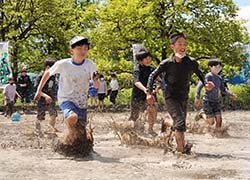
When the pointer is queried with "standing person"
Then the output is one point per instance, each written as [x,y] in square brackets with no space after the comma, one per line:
[178,70]
[102,92]
[51,90]
[75,73]
[114,88]
[139,91]
[211,102]
[93,94]
[23,88]
[9,93]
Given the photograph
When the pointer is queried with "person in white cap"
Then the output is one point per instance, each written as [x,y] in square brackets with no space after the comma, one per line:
[75,73]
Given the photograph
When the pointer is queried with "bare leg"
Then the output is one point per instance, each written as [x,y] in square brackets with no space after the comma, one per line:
[179,136]
[210,121]
[165,124]
[91,101]
[218,120]
[101,105]
[52,123]
[151,116]
[95,102]
[71,121]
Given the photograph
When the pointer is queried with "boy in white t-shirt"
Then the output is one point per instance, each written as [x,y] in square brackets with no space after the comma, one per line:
[114,88]
[9,93]
[75,73]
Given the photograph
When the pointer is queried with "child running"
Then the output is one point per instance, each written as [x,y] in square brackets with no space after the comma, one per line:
[42,106]
[178,70]
[211,102]
[139,92]
[75,73]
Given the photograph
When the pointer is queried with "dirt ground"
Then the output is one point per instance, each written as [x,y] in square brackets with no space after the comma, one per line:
[24,155]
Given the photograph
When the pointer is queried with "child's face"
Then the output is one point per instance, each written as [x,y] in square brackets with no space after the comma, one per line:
[147,61]
[215,69]
[179,46]
[81,51]
[24,73]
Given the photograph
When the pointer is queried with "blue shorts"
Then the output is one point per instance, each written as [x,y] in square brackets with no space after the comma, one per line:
[93,92]
[69,107]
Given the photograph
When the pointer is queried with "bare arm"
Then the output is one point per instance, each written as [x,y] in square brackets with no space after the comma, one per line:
[18,94]
[43,81]
[141,87]
[198,90]
[95,80]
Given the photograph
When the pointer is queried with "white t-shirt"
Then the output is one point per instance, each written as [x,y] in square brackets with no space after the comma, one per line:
[102,87]
[73,81]
[9,92]
[114,85]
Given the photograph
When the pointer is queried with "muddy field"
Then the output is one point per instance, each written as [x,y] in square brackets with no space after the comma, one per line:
[25,155]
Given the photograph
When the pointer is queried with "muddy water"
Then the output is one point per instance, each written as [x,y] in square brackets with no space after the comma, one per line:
[26,155]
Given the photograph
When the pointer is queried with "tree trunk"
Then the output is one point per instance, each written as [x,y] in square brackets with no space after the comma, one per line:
[14,61]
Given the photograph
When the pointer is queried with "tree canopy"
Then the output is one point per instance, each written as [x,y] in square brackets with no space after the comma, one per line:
[40,28]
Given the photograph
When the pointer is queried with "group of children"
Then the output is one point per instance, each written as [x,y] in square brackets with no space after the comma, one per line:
[97,95]
[79,78]
[177,71]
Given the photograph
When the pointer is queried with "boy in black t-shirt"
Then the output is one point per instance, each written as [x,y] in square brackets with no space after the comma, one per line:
[178,70]
[49,88]
[139,92]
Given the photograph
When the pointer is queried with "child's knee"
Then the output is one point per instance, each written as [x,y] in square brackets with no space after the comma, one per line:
[72,119]
[210,121]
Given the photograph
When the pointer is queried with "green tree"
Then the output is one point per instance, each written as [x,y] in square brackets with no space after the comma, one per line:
[210,26]
[38,28]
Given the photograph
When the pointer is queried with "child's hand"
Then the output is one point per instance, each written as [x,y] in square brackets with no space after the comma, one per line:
[48,99]
[209,85]
[197,102]
[37,96]
[150,99]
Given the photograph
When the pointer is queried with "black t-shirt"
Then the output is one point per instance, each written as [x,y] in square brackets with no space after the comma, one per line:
[177,76]
[23,80]
[49,88]
[141,74]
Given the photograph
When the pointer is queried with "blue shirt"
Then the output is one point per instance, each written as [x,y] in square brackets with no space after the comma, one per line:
[213,95]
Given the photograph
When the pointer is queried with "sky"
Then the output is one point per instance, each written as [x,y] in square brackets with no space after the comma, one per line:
[244,11]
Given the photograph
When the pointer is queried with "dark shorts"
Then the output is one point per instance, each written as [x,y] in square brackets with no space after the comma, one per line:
[178,112]
[101,96]
[69,107]
[42,107]
[113,96]
[211,109]
[136,107]
[25,98]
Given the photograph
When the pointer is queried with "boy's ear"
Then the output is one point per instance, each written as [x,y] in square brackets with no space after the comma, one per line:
[172,46]
[71,51]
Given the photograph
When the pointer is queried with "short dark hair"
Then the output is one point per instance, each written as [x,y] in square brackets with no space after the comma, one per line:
[10,79]
[175,36]
[142,54]
[101,76]
[113,75]
[80,43]
[213,62]
[49,62]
